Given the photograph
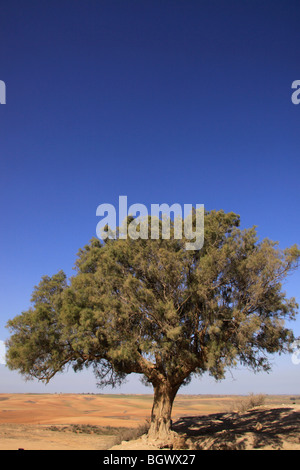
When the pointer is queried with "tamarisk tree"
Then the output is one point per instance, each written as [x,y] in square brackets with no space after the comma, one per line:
[153,308]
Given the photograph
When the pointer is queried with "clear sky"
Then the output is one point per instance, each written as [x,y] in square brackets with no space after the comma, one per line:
[163,101]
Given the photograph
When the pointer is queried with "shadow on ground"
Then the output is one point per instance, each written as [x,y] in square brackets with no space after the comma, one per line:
[275,428]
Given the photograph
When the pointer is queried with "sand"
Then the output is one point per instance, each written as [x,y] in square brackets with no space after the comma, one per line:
[47,421]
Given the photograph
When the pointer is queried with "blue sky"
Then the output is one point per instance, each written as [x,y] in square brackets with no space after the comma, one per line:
[162,101]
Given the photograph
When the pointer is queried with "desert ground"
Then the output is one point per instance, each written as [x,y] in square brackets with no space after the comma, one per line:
[98,422]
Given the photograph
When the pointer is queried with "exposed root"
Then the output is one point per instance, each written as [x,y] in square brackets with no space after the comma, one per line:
[169,440]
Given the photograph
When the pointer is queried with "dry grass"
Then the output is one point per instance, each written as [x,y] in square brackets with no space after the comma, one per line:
[120,433]
[244,404]
[129,434]
[89,429]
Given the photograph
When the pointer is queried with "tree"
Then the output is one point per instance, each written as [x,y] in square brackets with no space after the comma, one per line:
[153,308]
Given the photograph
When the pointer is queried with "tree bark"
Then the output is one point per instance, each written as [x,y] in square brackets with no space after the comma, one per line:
[160,427]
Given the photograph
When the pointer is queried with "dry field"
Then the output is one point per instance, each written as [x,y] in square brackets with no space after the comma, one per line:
[71,421]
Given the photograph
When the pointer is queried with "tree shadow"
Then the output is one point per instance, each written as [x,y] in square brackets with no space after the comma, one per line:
[257,428]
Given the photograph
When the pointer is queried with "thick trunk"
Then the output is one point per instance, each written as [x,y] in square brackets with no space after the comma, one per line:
[160,427]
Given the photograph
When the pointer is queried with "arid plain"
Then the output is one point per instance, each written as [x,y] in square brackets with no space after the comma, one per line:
[87,421]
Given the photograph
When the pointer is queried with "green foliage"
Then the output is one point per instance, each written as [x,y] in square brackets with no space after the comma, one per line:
[154,308]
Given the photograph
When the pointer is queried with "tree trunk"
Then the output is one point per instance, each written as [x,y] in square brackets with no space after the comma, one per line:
[160,427]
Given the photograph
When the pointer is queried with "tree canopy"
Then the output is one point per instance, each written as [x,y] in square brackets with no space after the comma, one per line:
[153,308]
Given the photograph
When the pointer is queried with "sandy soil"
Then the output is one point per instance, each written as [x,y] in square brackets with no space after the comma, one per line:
[263,428]
[45,421]
[101,410]
[40,437]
